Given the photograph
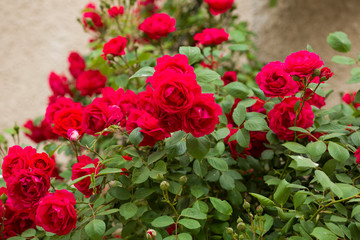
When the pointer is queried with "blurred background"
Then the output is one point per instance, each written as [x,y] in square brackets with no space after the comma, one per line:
[37,36]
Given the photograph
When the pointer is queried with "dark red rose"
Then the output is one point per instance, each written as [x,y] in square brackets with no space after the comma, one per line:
[59,104]
[229,77]
[112,97]
[128,103]
[315,99]
[326,73]
[349,98]
[78,171]
[282,116]
[59,84]
[115,46]
[115,11]
[90,82]
[68,118]
[146,101]
[302,63]
[127,158]
[232,145]
[201,119]
[357,155]
[176,93]
[92,20]
[56,212]
[219,6]
[40,133]
[76,64]
[149,127]
[257,141]
[158,25]
[211,36]
[42,162]
[275,82]
[170,122]
[26,188]
[16,160]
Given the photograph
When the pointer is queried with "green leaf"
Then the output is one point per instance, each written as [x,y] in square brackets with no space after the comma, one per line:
[221,206]
[301,163]
[237,90]
[299,198]
[339,41]
[140,176]
[29,233]
[282,193]
[119,193]
[298,129]
[218,163]
[295,147]
[227,182]
[189,223]
[184,236]
[355,211]
[237,36]
[136,136]
[197,191]
[316,148]
[95,229]
[128,210]
[206,75]
[193,213]
[197,147]
[108,212]
[309,48]
[162,221]
[323,234]
[16,238]
[142,193]
[325,182]
[338,152]
[222,133]
[144,72]
[239,114]
[243,137]
[78,179]
[343,60]
[155,156]
[256,124]
[109,171]
[239,47]
[192,53]
[263,200]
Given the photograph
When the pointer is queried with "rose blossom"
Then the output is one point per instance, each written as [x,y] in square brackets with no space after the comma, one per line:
[275,82]
[229,77]
[68,118]
[76,64]
[211,36]
[357,155]
[349,98]
[59,84]
[56,212]
[94,18]
[40,133]
[219,6]
[42,162]
[26,188]
[302,63]
[73,135]
[203,116]
[326,73]
[79,171]
[90,82]
[158,25]
[59,104]
[282,116]
[315,99]
[115,46]
[115,11]
[16,159]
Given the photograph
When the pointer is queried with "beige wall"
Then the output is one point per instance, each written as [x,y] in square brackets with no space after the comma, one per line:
[36,37]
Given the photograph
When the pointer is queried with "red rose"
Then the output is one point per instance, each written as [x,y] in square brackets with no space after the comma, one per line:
[302,63]
[229,77]
[115,46]
[176,93]
[357,155]
[42,162]
[59,84]
[78,171]
[282,116]
[233,145]
[16,159]
[68,118]
[158,25]
[40,133]
[59,104]
[90,82]
[146,101]
[349,98]
[315,99]
[326,73]
[90,5]
[128,103]
[149,127]
[201,119]
[275,82]
[112,97]
[219,6]
[56,212]
[76,64]
[211,36]
[257,140]
[115,11]
[92,20]
[26,188]
[170,122]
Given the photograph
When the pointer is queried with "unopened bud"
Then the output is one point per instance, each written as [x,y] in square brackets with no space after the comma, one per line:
[323,79]
[164,185]
[239,220]
[183,180]
[296,78]
[259,210]
[241,237]
[241,227]
[109,57]
[316,72]
[229,231]
[73,134]
[246,206]
[150,234]
[160,176]
[3,198]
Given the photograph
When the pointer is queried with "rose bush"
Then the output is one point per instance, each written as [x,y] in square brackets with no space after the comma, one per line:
[168,140]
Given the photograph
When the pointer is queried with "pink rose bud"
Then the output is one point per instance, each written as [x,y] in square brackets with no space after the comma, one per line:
[73,135]
[150,234]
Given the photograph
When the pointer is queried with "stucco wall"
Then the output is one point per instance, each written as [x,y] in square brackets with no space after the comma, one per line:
[36,37]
